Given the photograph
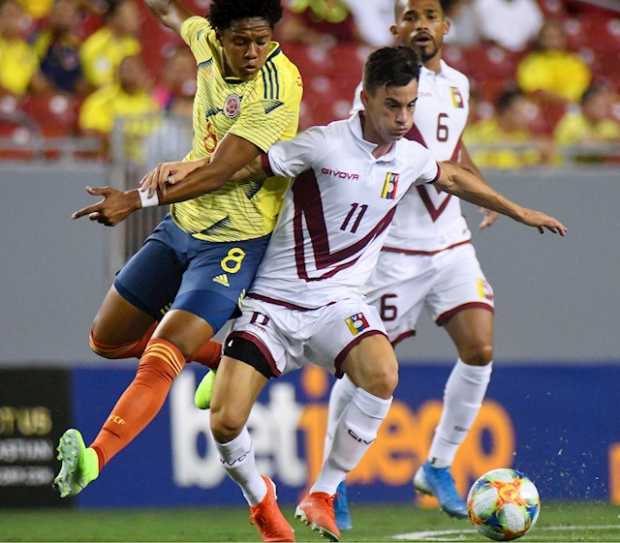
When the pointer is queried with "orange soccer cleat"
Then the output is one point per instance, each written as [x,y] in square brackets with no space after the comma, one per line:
[317,511]
[268,518]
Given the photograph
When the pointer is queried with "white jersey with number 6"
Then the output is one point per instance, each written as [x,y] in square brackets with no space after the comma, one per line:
[335,216]
[428,221]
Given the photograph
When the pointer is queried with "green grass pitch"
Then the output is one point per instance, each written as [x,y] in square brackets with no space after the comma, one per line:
[558,522]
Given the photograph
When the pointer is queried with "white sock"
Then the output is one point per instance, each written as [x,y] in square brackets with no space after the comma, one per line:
[355,431]
[339,399]
[237,457]
[462,399]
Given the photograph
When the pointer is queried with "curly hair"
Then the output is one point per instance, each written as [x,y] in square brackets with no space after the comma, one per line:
[224,12]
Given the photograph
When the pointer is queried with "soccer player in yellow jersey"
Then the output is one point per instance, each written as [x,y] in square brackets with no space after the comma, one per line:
[202,257]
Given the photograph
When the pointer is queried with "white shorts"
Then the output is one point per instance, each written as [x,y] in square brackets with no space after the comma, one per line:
[446,283]
[291,338]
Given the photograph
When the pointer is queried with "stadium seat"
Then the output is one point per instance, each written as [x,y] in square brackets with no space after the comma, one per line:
[310,60]
[17,132]
[56,114]
[158,42]
[348,61]
[552,8]
[547,113]
[455,57]
[490,62]
[573,28]
[602,34]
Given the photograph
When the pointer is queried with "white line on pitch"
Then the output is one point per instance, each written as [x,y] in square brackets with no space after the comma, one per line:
[440,535]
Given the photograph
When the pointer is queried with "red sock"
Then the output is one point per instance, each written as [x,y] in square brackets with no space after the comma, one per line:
[209,354]
[160,364]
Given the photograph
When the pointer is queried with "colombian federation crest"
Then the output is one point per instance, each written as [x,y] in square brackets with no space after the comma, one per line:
[232,106]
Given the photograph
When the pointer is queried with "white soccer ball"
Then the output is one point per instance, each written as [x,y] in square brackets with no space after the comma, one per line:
[503,504]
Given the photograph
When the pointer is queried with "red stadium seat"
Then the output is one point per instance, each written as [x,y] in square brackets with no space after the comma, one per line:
[311,61]
[16,129]
[552,8]
[348,61]
[56,114]
[490,62]
[574,30]
[455,57]
[548,113]
[603,34]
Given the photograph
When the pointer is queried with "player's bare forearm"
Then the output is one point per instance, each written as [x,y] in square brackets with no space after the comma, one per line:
[457,180]
[462,183]
[233,155]
[254,170]
[171,13]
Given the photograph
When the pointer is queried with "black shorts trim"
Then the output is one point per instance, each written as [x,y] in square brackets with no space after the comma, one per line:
[247,348]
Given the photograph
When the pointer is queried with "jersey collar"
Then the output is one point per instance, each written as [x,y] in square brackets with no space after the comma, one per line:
[441,73]
[355,126]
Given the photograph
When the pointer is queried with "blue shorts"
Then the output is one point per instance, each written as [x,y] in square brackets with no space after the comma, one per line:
[174,270]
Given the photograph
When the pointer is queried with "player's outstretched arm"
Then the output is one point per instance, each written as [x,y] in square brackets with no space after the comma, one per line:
[234,160]
[489,217]
[456,180]
[170,12]
[233,154]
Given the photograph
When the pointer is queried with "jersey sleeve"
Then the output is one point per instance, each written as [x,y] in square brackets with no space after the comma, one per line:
[195,32]
[427,169]
[271,112]
[290,158]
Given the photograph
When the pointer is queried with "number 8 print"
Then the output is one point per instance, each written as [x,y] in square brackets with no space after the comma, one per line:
[231,263]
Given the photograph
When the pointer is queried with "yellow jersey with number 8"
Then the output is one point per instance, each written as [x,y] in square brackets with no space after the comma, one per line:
[262,110]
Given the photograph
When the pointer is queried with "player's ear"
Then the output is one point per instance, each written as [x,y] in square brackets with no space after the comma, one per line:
[218,36]
[364,98]
[447,24]
[394,30]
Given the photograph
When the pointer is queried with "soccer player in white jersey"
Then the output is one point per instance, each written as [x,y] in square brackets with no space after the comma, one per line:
[428,260]
[307,304]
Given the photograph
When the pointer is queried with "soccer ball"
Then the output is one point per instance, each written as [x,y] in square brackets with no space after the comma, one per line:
[503,504]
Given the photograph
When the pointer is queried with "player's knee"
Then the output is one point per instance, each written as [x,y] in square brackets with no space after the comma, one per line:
[382,381]
[99,347]
[477,354]
[226,425]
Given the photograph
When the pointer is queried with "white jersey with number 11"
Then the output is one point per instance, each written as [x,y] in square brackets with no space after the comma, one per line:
[427,220]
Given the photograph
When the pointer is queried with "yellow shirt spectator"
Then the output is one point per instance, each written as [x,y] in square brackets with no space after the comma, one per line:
[557,72]
[37,8]
[18,65]
[575,128]
[490,133]
[101,108]
[103,52]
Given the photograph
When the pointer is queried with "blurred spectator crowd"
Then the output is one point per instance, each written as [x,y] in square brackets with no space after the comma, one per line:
[545,74]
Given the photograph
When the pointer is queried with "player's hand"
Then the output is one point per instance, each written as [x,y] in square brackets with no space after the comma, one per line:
[167,173]
[542,221]
[488,218]
[115,206]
